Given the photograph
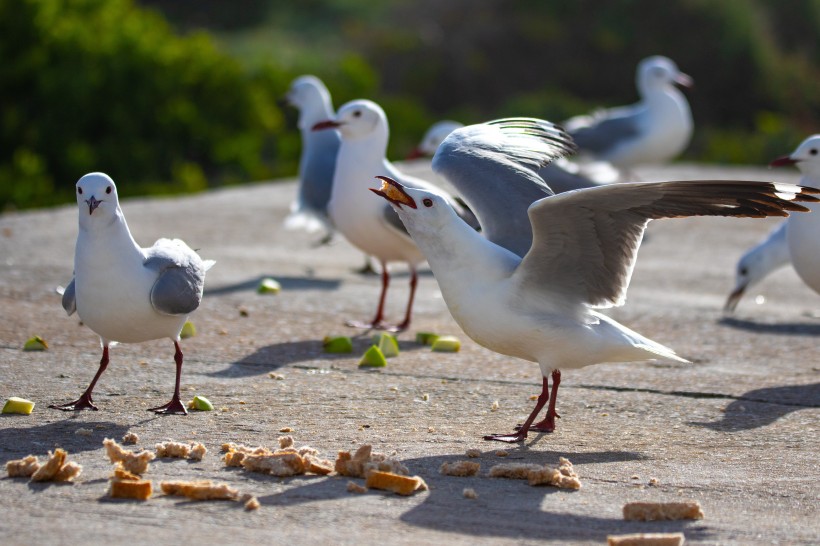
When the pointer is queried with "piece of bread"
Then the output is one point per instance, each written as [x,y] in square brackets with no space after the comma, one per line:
[460,468]
[514,471]
[364,460]
[23,468]
[136,463]
[473,453]
[469,493]
[653,511]
[276,464]
[138,489]
[175,450]
[401,485]
[199,490]
[130,438]
[646,539]
[353,487]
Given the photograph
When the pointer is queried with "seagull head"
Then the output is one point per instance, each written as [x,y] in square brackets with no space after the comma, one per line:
[357,119]
[306,91]
[751,268]
[434,136]
[421,211]
[806,157]
[658,72]
[97,194]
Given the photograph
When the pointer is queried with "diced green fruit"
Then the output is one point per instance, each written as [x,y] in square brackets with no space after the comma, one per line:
[201,403]
[268,286]
[188,330]
[338,344]
[18,405]
[374,358]
[426,338]
[446,344]
[35,343]
[388,344]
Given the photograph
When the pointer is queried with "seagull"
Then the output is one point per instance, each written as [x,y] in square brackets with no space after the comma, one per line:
[318,160]
[758,262]
[370,224]
[434,136]
[539,304]
[654,130]
[125,293]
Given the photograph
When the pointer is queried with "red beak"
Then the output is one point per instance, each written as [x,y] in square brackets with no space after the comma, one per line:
[328,124]
[782,161]
[684,80]
[393,192]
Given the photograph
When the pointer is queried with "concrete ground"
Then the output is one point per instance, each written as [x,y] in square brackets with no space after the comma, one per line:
[736,430]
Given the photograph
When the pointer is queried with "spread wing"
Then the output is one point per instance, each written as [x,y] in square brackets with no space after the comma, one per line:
[180,276]
[585,243]
[493,166]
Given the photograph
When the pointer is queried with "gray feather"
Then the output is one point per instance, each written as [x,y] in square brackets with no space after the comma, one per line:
[70,299]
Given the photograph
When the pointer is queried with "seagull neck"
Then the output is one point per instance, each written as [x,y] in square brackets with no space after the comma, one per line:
[111,235]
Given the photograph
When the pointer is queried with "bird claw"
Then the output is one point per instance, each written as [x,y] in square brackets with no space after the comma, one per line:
[82,403]
[547,425]
[174,407]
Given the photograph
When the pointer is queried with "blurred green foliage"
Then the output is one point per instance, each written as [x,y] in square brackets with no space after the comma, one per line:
[192,103]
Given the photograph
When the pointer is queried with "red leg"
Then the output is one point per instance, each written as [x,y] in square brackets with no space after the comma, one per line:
[521,434]
[85,402]
[175,405]
[378,321]
[414,281]
[548,424]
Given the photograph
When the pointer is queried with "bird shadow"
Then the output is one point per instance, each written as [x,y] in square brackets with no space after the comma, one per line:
[784,328]
[273,357]
[762,407]
[287,283]
[503,509]
[71,434]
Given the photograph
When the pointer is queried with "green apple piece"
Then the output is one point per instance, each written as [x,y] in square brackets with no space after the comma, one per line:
[18,405]
[337,344]
[426,338]
[446,344]
[374,358]
[388,344]
[201,403]
[188,330]
[35,343]
[268,286]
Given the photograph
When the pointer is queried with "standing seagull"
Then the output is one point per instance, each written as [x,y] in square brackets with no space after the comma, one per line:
[368,222]
[654,130]
[539,305]
[125,293]
[318,160]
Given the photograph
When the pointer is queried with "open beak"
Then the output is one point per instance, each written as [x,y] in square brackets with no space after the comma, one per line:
[733,299]
[327,124]
[684,80]
[782,161]
[393,192]
[92,204]
[415,153]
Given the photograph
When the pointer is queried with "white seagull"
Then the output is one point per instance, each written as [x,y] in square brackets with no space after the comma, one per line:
[539,305]
[757,263]
[318,159]
[369,223]
[125,293]
[654,130]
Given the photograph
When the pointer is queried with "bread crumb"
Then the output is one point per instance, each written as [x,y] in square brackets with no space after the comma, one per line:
[276,376]
[634,477]
[198,451]
[130,489]
[285,441]
[501,453]
[276,464]
[130,438]
[514,471]
[83,432]
[533,397]
[401,485]
[653,511]
[56,468]
[460,468]
[353,487]
[250,502]
[199,490]
[469,493]
[136,463]
[654,481]
[23,468]
[564,476]
[495,405]
[176,450]
[286,429]
[646,539]
[357,465]
[316,465]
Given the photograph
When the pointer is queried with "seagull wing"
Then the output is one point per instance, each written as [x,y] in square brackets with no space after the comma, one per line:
[70,299]
[180,277]
[585,242]
[493,166]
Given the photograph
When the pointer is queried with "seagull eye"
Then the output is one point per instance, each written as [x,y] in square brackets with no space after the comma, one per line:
[813,151]
[108,189]
[427,202]
[743,271]
[357,113]
[80,191]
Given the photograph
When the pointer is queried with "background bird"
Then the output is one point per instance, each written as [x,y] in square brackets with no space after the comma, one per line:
[126,293]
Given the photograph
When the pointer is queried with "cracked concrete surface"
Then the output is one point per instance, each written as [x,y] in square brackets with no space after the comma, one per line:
[736,430]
